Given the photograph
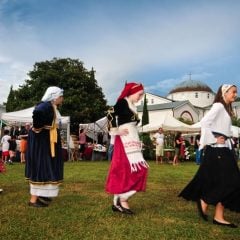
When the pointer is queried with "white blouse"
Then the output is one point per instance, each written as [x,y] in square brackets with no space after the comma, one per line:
[216,120]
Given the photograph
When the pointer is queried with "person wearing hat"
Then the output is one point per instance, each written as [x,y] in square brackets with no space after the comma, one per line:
[44,161]
[128,170]
[217,181]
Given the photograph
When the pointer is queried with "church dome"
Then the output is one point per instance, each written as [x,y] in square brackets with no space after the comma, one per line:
[191,85]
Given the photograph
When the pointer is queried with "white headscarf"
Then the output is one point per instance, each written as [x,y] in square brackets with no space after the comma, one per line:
[52,93]
[225,88]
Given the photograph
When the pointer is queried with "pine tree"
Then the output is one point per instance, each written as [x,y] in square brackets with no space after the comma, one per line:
[145,116]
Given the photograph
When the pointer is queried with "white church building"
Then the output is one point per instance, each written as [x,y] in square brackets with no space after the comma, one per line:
[189,100]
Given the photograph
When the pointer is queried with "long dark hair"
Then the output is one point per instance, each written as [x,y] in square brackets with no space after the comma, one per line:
[219,98]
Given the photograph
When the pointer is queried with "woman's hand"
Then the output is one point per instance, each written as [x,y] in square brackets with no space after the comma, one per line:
[220,140]
[123,132]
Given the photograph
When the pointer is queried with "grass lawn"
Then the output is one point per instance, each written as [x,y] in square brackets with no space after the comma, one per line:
[83,209]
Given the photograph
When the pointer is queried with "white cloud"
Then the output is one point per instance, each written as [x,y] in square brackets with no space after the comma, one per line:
[192,35]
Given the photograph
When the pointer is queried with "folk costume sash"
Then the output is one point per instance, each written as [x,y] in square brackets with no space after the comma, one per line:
[53,133]
[133,147]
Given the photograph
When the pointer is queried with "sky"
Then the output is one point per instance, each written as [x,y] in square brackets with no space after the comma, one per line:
[155,42]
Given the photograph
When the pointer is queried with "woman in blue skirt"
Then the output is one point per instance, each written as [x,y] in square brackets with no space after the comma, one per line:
[44,161]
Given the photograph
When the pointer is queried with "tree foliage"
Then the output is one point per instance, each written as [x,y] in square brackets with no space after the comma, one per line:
[148,148]
[145,116]
[11,101]
[236,121]
[84,100]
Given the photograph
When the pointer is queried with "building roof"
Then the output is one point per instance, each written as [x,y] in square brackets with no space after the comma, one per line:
[163,106]
[191,85]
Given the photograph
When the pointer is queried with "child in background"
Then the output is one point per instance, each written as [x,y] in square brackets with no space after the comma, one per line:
[5,146]
[12,149]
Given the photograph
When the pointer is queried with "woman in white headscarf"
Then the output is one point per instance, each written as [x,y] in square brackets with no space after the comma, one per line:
[217,181]
[44,161]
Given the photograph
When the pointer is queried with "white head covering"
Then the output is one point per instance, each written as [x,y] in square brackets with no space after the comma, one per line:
[225,88]
[52,93]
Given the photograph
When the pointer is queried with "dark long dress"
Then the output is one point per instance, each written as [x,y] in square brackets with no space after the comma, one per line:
[217,179]
[41,167]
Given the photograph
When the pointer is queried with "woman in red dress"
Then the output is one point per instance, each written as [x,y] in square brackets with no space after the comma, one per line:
[128,169]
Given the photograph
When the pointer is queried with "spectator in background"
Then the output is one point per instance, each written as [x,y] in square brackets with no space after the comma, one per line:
[110,147]
[12,149]
[14,131]
[23,135]
[100,138]
[5,145]
[178,143]
[82,141]
[182,148]
[159,139]
[197,150]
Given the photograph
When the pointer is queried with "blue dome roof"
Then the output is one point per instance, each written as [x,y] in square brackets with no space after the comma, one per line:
[191,85]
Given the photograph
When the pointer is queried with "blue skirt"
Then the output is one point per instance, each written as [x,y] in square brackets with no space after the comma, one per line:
[41,167]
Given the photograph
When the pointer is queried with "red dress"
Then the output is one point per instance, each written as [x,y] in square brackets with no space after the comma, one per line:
[120,178]
[127,172]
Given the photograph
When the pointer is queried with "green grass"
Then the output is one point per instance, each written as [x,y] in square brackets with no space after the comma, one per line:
[83,209]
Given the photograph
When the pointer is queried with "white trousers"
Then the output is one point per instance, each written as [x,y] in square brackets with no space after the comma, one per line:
[124,196]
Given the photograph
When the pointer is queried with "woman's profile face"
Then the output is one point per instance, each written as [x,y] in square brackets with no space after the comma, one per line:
[58,100]
[231,95]
[136,96]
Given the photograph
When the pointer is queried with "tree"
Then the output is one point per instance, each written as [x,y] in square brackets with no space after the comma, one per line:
[147,142]
[84,101]
[11,102]
[236,121]
[145,116]
[148,148]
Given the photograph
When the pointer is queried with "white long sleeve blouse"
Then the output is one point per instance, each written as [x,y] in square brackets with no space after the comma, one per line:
[216,120]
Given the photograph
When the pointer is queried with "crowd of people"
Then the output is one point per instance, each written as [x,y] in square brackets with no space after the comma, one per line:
[14,144]
[216,182]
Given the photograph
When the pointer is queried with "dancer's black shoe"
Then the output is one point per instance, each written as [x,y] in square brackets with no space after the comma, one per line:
[116,208]
[125,210]
[37,204]
[231,225]
[201,212]
[45,199]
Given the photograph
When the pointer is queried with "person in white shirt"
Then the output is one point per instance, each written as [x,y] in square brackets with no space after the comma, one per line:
[159,139]
[5,145]
[217,181]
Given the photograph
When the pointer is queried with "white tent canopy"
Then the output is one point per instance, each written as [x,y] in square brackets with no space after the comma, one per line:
[25,115]
[235,130]
[93,129]
[169,123]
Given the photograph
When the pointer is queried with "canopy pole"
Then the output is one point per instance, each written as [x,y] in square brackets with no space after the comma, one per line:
[1,128]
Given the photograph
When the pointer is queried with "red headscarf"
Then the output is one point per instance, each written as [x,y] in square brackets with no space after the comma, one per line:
[130,89]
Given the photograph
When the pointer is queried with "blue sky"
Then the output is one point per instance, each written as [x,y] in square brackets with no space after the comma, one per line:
[156,42]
